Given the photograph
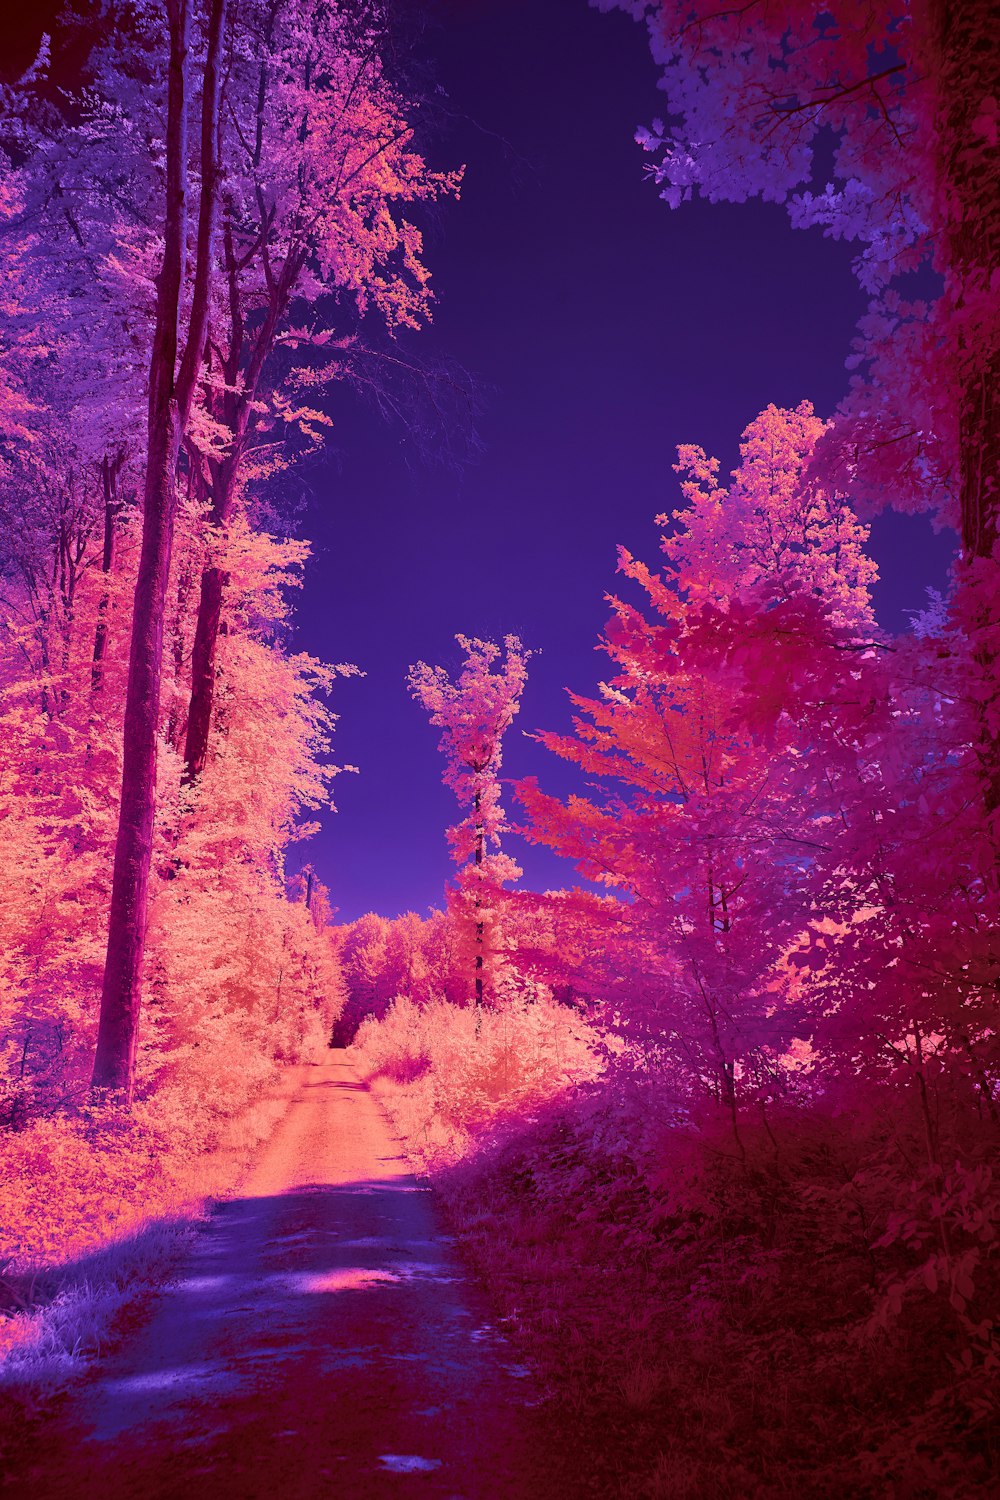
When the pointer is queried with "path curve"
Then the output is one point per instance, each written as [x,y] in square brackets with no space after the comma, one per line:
[322,1339]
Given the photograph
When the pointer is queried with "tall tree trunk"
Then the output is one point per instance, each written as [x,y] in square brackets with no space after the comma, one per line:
[480,926]
[965,64]
[171,392]
[238,414]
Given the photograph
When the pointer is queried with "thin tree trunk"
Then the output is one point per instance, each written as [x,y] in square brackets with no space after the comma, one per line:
[171,394]
[479,924]
[110,470]
[203,672]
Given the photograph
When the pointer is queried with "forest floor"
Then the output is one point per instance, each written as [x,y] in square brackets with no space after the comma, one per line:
[320,1337]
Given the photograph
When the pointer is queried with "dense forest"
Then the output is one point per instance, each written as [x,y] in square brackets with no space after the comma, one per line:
[715,1123]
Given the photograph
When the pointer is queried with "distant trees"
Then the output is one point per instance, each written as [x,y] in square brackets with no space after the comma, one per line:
[421,958]
[531,947]
[474,710]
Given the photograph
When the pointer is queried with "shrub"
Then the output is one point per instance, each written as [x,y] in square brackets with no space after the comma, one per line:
[447,1081]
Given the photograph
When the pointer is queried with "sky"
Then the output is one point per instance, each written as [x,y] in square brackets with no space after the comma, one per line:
[600,329]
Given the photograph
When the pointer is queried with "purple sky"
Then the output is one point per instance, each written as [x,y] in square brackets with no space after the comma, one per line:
[602,329]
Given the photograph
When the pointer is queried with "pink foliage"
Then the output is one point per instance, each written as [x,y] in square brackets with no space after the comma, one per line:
[713,819]
[769,1041]
[906,95]
[474,712]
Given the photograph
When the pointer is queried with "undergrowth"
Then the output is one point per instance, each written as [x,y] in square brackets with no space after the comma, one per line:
[97,1208]
[721,1319]
[447,1078]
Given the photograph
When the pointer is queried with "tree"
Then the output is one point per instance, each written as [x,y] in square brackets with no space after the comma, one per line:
[234,964]
[68,334]
[319,167]
[906,91]
[173,375]
[712,831]
[474,712]
[235,975]
[773,523]
[225,334]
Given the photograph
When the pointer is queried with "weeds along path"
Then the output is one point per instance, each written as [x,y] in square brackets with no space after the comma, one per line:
[321,1340]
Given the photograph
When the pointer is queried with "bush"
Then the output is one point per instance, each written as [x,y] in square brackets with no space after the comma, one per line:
[447,1084]
[723,1318]
[96,1205]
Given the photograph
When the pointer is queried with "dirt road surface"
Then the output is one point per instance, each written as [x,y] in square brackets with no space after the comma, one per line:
[321,1340]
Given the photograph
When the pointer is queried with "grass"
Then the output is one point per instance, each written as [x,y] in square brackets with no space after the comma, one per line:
[711,1325]
[717,1344]
[59,1310]
[67,1314]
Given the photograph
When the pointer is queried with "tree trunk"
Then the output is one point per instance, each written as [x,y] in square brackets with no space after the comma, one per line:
[209,623]
[170,399]
[965,65]
[967,72]
[203,667]
[238,414]
[114,1066]
[110,469]
[479,924]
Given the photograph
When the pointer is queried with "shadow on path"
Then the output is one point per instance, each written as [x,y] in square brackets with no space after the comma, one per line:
[321,1339]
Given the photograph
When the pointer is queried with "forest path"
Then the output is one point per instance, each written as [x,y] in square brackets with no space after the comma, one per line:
[321,1340]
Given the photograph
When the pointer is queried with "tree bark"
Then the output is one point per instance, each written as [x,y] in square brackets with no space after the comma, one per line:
[170,397]
[479,923]
[965,66]
[238,410]
[110,469]
[203,672]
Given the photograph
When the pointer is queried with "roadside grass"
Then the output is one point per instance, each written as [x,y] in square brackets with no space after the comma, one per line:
[66,1315]
[96,1216]
[445,1083]
[711,1331]
[722,1320]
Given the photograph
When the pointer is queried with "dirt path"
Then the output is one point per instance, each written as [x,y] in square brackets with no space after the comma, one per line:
[322,1340]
